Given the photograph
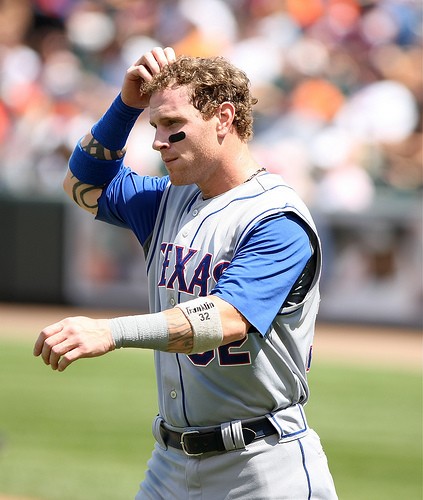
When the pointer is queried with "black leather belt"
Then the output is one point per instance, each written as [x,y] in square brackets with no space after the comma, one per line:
[197,442]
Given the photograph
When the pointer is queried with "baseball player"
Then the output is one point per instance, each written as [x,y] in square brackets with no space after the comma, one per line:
[233,261]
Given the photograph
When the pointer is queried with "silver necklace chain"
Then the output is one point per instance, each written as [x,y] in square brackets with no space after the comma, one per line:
[262,169]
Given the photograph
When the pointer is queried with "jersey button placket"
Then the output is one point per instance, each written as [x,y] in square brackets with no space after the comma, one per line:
[173,394]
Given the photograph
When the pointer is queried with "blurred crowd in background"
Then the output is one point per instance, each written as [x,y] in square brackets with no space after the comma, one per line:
[339,115]
[339,84]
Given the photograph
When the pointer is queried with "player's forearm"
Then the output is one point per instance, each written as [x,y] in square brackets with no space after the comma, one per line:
[196,326]
[181,335]
[113,128]
[168,331]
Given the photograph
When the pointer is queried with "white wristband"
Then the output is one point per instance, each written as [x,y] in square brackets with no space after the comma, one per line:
[148,331]
[204,317]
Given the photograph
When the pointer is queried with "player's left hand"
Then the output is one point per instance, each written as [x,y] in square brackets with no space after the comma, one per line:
[62,343]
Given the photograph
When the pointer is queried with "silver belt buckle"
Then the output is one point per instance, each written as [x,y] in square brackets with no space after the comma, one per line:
[183,444]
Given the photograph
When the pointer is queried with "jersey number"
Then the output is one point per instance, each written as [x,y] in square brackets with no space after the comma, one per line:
[225,355]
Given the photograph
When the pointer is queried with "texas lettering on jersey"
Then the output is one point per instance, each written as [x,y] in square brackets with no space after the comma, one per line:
[185,270]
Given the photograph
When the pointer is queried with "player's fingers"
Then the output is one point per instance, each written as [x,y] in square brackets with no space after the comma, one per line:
[170,54]
[46,333]
[151,63]
[69,358]
[48,352]
[163,56]
[59,350]
[136,72]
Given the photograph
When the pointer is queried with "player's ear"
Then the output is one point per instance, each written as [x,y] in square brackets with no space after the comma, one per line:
[225,115]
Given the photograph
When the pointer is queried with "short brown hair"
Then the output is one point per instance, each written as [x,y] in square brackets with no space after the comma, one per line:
[213,80]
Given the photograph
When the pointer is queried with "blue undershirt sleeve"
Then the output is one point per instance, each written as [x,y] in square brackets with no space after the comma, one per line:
[131,201]
[264,269]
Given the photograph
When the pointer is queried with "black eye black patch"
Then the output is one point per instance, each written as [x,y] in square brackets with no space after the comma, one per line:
[177,137]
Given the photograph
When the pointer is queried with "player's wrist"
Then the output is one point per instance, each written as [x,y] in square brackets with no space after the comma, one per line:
[114,127]
[147,331]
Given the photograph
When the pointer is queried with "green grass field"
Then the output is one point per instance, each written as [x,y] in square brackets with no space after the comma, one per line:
[85,434]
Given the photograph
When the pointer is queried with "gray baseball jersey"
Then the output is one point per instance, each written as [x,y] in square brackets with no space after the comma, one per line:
[190,253]
[189,249]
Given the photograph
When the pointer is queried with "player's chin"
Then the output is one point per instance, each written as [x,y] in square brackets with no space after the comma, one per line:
[177,179]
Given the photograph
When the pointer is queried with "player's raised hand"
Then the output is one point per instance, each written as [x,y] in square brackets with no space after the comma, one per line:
[144,68]
[62,343]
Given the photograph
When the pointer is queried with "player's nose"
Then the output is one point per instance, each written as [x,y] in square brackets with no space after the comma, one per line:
[160,142]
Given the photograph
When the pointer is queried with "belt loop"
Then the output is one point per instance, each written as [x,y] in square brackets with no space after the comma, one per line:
[290,423]
[236,427]
[157,425]
[228,441]
[232,436]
